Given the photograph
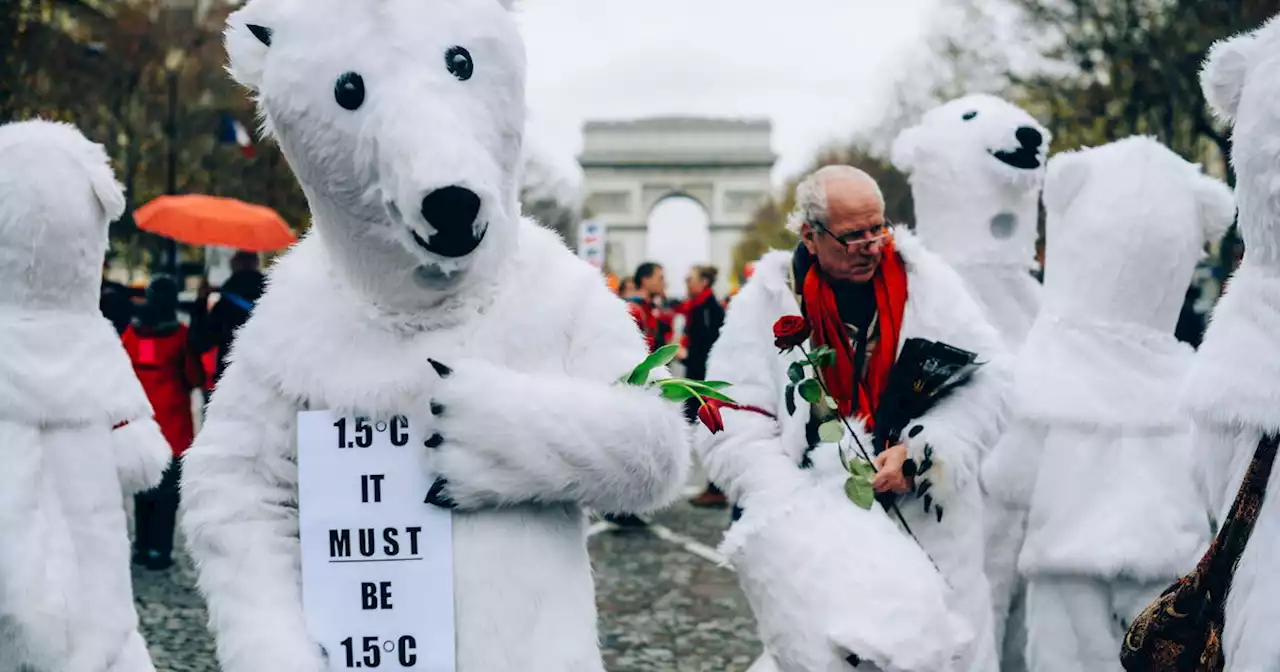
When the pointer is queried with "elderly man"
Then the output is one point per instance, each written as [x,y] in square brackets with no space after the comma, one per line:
[864,288]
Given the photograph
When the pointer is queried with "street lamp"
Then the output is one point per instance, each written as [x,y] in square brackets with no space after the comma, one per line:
[173,62]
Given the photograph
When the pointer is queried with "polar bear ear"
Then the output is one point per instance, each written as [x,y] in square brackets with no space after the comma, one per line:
[1223,73]
[109,192]
[247,46]
[903,152]
[1065,177]
[1216,205]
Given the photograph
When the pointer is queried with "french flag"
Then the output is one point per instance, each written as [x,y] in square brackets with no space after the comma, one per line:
[231,131]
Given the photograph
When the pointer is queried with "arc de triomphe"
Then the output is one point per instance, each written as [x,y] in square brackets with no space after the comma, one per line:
[631,166]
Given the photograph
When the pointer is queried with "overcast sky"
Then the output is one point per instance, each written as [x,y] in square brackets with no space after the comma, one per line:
[819,68]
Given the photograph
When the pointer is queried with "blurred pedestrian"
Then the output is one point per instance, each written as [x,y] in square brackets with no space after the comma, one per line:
[214,328]
[115,300]
[703,316]
[647,306]
[157,345]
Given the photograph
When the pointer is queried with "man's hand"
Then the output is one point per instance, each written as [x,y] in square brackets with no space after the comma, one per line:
[889,476]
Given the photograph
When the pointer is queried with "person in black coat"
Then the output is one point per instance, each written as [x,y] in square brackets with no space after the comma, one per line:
[703,316]
[216,327]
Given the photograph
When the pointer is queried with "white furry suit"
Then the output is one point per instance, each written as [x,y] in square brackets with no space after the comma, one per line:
[1233,391]
[418,253]
[976,165]
[807,616]
[1099,451]
[76,434]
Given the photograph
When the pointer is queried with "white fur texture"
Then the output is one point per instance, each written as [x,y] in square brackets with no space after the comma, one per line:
[960,189]
[756,458]
[1096,379]
[66,599]
[1078,624]
[1233,390]
[366,171]
[535,425]
[980,214]
[534,428]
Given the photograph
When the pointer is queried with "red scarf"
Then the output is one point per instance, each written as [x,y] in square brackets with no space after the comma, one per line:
[890,285]
[695,302]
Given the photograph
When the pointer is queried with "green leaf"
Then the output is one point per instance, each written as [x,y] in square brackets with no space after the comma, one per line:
[677,393]
[715,384]
[795,372]
[707,391]
[862,468]
[860,492]
[823,356]
[662,357]
[831,431]
[811,391]
[791,399]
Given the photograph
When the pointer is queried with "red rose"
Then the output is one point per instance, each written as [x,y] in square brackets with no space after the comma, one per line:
[709,415]
[790,331]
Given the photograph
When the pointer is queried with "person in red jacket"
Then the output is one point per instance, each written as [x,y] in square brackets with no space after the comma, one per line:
[157,344]
[647,306]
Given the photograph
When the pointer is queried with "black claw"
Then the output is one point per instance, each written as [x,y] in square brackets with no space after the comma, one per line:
[853,660]
[437,409]
[261,32]
[433,441]
[441,370]
[928,502]
[436,496]
[938,508]
[915,431]
[909,469]
[925,484]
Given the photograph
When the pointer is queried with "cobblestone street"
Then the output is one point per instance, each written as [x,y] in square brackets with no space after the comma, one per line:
[664,603]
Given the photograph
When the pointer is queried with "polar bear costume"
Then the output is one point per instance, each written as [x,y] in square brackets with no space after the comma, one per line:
[1102,457]
[402,120]
[1233,391]
[976,165]
[810,618]
[76,434]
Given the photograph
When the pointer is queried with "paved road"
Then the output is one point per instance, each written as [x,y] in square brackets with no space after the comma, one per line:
[665,605]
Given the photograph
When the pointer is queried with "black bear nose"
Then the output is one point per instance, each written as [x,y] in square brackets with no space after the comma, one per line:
[449,209]
[1029,137]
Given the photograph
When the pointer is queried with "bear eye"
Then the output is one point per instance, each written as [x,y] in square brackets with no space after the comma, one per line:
[349,91]
[459,62]
[969,115]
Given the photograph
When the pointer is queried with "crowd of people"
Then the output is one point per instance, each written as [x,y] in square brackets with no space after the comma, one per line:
[173,357]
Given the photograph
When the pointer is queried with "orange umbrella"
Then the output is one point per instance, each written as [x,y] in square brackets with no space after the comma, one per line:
[196,219]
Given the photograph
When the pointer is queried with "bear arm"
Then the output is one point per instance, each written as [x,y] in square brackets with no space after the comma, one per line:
[141,453]
[960,430]
[749,456]
[240,519]
[581,436]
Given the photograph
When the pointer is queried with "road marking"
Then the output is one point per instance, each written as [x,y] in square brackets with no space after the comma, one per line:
[692,546]
[598,527]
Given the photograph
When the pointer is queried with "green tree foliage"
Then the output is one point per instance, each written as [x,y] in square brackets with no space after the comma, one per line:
[768,228]
[146,79]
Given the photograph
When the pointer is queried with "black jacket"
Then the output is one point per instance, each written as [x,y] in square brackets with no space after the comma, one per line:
[702,327]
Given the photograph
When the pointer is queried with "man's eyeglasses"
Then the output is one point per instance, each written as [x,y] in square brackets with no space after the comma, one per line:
[857,240]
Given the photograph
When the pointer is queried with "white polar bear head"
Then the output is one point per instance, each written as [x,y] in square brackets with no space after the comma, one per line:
[1239,83]
[57,196]
[403,120]
[1127,223]
[976,165]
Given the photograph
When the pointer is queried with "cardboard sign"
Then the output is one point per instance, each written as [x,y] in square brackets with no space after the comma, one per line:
[377,562]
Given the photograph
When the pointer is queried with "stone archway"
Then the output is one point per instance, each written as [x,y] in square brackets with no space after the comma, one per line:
[678,235]
[629,167]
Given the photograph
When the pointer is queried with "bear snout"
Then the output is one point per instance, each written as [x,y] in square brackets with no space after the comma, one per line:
[449,209]
[1029,137]
[452,212]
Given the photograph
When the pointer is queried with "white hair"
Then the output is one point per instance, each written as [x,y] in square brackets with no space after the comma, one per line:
[811,194]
